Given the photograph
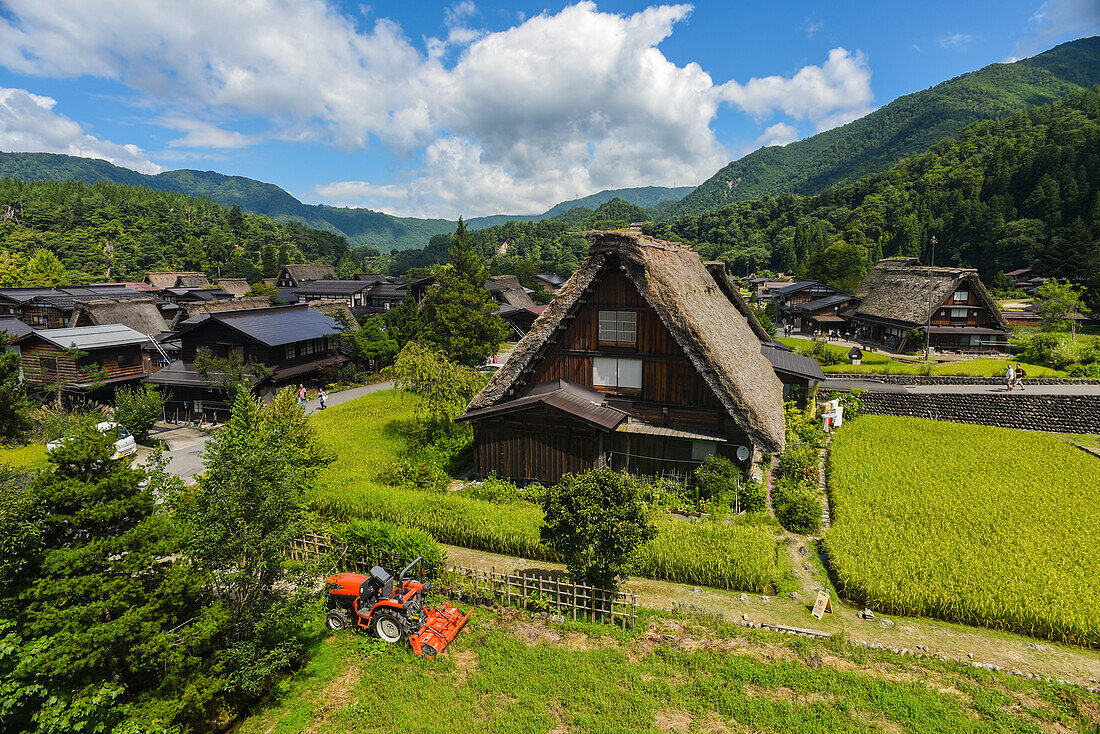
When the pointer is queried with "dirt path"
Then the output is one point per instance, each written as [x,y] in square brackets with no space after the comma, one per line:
[926,636]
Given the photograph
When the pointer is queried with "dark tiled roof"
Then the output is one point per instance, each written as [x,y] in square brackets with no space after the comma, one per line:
[278,325]
[832,300]
[791,363]
[14,327]
[334,287]
[794,287]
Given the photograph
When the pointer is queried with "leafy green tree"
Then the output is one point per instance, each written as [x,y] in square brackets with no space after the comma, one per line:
[232,374]
[14,407]
[12,272]
[239,519]
[263,290]
[596,521]
[139,408]
[443,387]
[44,269]
[1057,302]
[1001,283]
[371,345]
[842,265]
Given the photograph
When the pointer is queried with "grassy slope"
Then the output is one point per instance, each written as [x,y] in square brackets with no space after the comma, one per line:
[508,673]
[975,524]
[31,456]
[879,364]
[365,435]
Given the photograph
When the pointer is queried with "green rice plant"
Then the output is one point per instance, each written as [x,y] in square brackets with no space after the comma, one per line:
[974,524]
[31,456]
[367,437]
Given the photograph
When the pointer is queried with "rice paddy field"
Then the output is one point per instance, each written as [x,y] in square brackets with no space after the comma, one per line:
[973,524]
[365,434]
[31,456]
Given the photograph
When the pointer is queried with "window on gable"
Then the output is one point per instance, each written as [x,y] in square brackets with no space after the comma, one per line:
[958,313]
[961,296]
[618,327]
[615,372]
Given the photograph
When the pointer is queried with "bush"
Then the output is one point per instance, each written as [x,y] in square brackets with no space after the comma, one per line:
[852,402]
[393,546]
[718,480]
[51,422]
[801,427]
[418,472]
[1044,348]
[800,464]
[139,408]
[798,506]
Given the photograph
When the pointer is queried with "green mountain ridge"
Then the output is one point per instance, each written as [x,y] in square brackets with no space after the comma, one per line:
[908,125]
[362,227]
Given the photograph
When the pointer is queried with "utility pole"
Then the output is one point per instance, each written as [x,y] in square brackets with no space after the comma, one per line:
[928,322]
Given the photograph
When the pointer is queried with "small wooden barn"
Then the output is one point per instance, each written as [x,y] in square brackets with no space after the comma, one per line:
[84,359]
[641,363]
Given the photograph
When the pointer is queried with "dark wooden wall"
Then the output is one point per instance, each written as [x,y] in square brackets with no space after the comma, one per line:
[977,313]
[67,369]
[540,445]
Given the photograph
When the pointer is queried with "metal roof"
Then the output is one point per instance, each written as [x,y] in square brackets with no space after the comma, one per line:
[580,402]
[91,337]
[791,363]
[15,327]
[278,325]
[832,300]
[645,429]
[334,287]
[793,287]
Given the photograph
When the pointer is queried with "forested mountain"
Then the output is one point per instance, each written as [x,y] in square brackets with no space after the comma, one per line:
[908,125]
[107,231]
[362,227]
[1007,194]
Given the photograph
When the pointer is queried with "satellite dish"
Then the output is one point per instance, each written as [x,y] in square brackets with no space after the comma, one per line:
[743,453]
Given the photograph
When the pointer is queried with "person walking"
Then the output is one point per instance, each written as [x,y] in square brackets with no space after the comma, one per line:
[1020,375]
[321,397]
[301,395]
[1010,377]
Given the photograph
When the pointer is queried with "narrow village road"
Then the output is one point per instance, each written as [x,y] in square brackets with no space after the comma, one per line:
[873,385]
[185,444]
[954,641]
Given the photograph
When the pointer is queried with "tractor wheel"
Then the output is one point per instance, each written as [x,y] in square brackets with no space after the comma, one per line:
[337,619]
[389,627]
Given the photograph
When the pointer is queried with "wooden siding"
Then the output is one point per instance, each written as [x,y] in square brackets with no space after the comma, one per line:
[48,317]
[36,373]
[977,313]
[539,445]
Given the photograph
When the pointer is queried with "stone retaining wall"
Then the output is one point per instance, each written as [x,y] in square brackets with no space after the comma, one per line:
[1057,413]
[952,380]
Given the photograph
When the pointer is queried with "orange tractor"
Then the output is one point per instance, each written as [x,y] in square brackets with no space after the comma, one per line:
[393,609]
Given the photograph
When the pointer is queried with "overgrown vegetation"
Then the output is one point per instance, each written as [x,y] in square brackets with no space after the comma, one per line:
[139,408]
[979,525]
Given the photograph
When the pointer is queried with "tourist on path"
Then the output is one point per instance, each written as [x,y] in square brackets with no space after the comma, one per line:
[301,395]
[1020,375]
[321,397]
[1010,377]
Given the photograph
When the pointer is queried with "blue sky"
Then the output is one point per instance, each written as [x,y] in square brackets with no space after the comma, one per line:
[472,108]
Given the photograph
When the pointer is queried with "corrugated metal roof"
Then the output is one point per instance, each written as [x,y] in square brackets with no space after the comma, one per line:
[826,301]
[334,287]
[92,337]
[278,325]
[791,363]
[645,429]
[568,397]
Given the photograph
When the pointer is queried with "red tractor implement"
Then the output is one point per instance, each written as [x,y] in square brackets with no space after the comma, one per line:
[393,610]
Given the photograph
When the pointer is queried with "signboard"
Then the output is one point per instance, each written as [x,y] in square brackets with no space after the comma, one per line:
[823,604]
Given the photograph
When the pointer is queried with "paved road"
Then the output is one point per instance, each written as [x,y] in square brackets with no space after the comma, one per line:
[875,386]
[185,445]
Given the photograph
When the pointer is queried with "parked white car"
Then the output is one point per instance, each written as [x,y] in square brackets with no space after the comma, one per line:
[125,444]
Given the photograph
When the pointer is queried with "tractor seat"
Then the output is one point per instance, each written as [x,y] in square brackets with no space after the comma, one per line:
[381,581]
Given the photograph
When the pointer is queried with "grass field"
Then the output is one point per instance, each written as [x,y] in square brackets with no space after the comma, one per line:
[31,456]
[979,525]
[512,673]
[880,364]
[365,435]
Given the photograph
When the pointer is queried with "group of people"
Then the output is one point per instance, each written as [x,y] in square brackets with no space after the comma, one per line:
[1014,376]
[322,398]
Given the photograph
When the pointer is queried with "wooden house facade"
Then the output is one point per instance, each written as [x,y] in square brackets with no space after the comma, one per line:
[900,296]
[809,305]
[295,276]
[84,360]
[640,363]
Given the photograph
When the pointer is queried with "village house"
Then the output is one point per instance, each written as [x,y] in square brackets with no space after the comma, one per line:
[353,292]
[86,360]
[811,305]
[52,308]
[189,279]
[295,276]
[294,343]
[236,287]
[549,282]
[640,363]
[140,314]
[900,296]
[517,308]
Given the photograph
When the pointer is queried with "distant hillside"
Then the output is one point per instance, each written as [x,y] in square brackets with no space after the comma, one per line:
[908,125]
[360,226]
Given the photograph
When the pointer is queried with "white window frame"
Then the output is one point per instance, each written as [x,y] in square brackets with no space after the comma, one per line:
[960,297]
[958,313]
[618,327]
[624,370]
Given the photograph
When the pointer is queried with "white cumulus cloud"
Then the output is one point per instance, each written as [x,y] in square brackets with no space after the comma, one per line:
[560,105]
[28,124]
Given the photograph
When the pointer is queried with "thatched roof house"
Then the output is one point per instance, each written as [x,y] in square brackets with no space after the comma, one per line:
[189,279]
[140,314]
[294,276]
[236,287]
[645,325]
[900,295]
[508,291]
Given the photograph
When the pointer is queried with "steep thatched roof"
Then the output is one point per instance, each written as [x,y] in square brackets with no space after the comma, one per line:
[713,334]
[332,308]
[507,289]
[236,287]
[903,290]
[305,272]
[160,281]
[140,314]
[717,270]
